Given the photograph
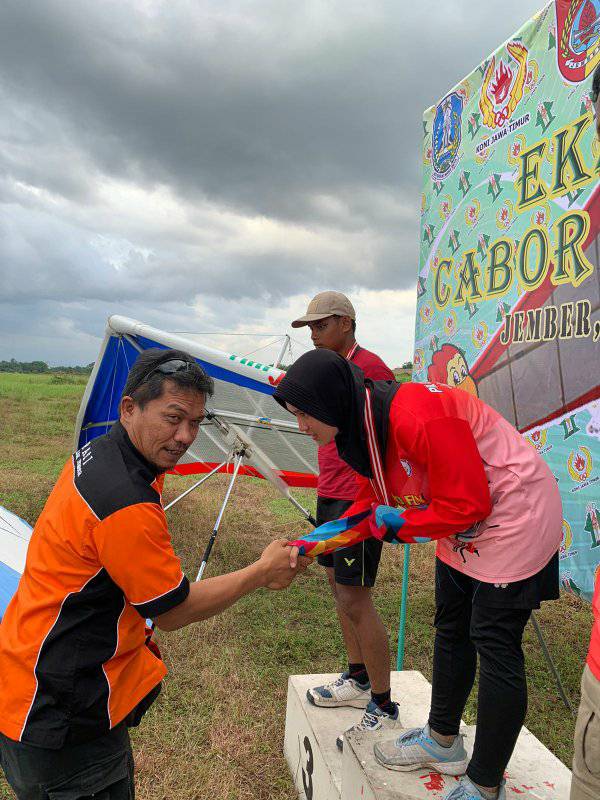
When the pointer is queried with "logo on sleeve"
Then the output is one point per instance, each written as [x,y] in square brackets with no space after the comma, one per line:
[82,457]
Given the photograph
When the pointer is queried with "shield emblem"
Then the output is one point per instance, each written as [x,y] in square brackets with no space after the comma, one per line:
[446,136]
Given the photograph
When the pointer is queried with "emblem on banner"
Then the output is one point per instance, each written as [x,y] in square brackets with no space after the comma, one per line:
[470,308]
[445,209]
[418,360]
[540,217]
[578,31]
[515,149]
[454,241]
[474,124]
[483,241]
[503,85]
[428,233]
[472,213]
[501,311]
[538,440]
[426,313]
[494,187]
[544,117]
[569,426]
[580,464]
[505,216]
[567,540]
[592,524]
[533,76]
[464,184]
[451,324]
[587,107]
[446,135]
[479,335]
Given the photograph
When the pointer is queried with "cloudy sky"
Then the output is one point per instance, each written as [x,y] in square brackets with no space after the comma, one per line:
[209,166]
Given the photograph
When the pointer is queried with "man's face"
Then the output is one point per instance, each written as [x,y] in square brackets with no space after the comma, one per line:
[163,430]
[319,431]
[330,333]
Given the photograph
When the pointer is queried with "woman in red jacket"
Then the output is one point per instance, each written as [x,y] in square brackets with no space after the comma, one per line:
[438,463]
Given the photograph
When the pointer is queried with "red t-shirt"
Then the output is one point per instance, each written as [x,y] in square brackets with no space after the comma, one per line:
[593,658]
[336,479]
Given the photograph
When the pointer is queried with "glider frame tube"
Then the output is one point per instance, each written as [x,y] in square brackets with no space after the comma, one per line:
[238,463]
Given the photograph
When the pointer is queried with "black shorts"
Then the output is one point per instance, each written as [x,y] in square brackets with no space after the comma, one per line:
[352,566]
[101,768]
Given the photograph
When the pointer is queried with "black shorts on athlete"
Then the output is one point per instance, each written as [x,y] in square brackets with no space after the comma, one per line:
[352,566]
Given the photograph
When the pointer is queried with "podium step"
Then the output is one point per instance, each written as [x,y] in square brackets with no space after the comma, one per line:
[321,772]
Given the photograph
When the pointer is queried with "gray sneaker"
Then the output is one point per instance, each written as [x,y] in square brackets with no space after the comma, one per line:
[465,789]
[417,748]
[374,719]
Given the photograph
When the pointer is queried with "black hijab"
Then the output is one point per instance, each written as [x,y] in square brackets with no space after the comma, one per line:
[332,389]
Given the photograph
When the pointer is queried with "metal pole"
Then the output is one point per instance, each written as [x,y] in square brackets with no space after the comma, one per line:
[305,512]
[195,486]
[550,662]
[213,536]
[286,344]
[403,605]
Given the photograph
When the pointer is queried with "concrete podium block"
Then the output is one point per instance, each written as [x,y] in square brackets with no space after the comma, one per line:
[309,744]
[321,772]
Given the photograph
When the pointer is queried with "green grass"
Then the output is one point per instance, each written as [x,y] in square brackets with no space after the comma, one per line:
[217,729]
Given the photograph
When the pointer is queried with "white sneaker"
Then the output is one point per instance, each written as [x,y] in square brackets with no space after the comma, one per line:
[344,691]
[374,719]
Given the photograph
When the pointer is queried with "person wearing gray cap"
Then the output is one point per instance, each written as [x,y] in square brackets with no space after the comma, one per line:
[351,572]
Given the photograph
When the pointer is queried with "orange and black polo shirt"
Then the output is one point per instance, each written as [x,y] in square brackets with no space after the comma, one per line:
[73,660]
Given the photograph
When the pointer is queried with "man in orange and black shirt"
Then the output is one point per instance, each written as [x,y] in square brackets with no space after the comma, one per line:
[75,666]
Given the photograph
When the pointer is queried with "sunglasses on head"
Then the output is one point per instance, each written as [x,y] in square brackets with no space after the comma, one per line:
[167,368]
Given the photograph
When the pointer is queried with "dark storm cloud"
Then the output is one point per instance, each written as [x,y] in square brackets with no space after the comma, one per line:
[306,116]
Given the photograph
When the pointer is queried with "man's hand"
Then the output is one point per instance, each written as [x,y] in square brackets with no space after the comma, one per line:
[293,556]
[276,563]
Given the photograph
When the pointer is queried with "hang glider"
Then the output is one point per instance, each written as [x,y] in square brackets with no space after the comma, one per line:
[14,540]
[244,421]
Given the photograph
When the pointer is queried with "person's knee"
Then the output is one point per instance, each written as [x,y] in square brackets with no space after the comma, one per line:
[354,601]
[500,651]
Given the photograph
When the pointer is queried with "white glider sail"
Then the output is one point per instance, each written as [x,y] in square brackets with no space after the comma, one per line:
[244,416]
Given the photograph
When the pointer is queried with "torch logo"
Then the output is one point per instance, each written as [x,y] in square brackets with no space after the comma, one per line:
[580,464]
[503,85]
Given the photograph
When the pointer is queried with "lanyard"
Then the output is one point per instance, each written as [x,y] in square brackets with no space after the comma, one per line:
[350,355]
[378,479]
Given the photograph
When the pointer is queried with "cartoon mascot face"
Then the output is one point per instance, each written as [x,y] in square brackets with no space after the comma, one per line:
[448,365]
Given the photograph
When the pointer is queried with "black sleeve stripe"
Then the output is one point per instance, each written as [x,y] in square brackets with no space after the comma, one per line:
[160,605]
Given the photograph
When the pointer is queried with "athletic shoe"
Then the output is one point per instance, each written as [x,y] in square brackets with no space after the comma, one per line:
[344,691]
[465,789]
[374,719]
[417,748]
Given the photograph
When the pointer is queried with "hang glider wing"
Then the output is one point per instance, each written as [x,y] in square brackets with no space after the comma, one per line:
[245,414]
[14,540]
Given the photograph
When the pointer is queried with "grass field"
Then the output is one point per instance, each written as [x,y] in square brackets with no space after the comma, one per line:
[217,729]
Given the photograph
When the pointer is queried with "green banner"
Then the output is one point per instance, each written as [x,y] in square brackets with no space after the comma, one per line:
[509,285]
